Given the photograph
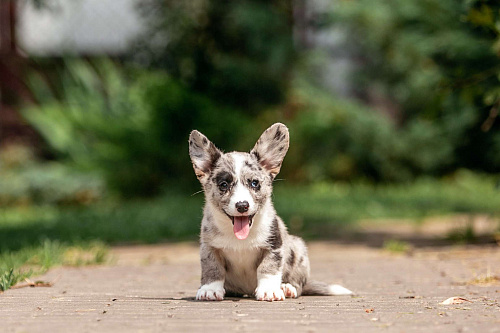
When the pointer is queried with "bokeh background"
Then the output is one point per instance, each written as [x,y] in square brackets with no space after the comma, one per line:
[392,108]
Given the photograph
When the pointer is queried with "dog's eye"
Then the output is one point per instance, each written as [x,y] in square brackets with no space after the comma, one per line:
[223,186]
[254,183]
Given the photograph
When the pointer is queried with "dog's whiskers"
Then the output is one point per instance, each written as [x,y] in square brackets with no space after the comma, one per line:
[195,193]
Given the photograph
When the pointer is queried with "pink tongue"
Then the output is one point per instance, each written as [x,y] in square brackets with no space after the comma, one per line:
[241,227]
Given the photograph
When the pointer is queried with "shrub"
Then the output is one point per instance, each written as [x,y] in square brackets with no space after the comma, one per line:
[130,126]
[239,53]
[25,180]
[336,139]
[438,62]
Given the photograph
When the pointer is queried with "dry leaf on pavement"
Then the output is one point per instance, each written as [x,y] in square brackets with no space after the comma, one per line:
[455,300]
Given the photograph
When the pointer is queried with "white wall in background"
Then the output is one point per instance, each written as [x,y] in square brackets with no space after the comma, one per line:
[89,27]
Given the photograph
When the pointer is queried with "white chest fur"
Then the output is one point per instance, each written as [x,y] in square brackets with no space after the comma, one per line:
[241,269]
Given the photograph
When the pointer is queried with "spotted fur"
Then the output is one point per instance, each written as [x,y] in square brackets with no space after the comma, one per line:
[268,263]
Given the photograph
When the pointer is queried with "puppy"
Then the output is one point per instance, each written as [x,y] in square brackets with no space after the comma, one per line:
[245,247]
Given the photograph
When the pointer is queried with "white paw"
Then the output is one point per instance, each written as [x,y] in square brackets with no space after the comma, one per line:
[211,292]
[268,288]
[274,294]
[289,290]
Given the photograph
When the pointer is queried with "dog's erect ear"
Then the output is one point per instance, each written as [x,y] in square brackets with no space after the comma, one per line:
[203,154]
[271,148]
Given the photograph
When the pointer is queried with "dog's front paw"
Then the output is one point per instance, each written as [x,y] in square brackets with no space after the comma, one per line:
[211,292]
[269,288]
[289,290]
[267,293]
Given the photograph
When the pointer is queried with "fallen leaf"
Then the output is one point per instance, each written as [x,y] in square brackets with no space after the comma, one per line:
[455,300]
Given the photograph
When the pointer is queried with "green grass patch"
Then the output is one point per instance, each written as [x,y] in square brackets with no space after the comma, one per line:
[396,246]
[173,217]
[463,235]
[7,279]
[320,210]
[37,259]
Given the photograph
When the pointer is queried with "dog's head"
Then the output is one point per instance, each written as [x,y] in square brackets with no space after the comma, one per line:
[239,184]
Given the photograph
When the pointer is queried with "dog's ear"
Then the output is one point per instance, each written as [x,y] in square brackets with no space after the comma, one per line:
[271,148]
[203,154]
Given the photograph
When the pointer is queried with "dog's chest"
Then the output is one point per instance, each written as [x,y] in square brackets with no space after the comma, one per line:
[241,270]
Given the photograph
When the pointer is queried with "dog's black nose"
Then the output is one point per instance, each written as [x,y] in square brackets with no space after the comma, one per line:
[242,206]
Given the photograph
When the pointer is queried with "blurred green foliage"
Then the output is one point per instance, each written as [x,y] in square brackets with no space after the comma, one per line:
[130,126]
[336,139]
[170,217]
[133,130]
[98,123]
[227,64]
[24,181]
[239,53]
[438,63]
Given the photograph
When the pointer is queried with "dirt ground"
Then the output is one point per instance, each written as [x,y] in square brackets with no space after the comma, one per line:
[152,289]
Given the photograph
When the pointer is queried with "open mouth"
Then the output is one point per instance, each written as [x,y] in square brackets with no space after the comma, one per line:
[241,225]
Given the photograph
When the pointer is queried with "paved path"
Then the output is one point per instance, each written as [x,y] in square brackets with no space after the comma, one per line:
[151,289]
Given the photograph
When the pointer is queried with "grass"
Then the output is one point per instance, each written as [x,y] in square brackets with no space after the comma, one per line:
[37,259]
[396,246]
[485,280]
[173,217]
[323,208]
[8,279]
[35,238]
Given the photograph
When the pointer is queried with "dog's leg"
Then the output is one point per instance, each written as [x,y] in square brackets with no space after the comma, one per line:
[212,275]
[269,275]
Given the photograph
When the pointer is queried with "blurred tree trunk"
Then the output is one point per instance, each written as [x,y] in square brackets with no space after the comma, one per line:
[301,24]
[13,90]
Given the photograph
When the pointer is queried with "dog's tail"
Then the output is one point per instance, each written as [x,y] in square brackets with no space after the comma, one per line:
[317,288]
